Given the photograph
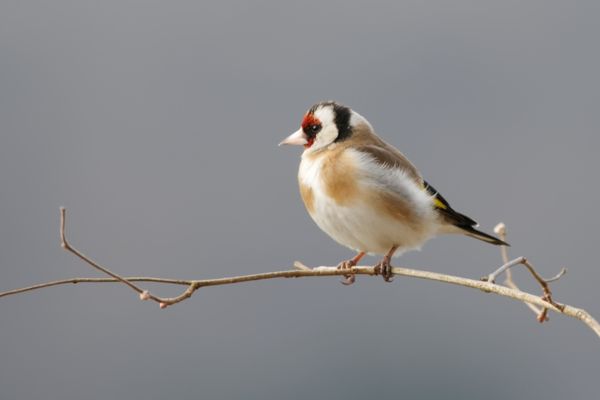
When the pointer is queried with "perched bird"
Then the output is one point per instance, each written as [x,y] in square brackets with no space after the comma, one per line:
[366,194]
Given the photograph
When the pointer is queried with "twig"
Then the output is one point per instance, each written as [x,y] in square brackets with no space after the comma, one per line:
[93,280]
[500,230]
[542,314]
[65,245]
[544,302]
[557,276]
[144,294]
[505,268]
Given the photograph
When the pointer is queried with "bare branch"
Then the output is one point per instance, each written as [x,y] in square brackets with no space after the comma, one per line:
[542,315]
[143,294]
[541,305]
[93,280]
[65,245]
[505,268]
[556,277]
[500,230]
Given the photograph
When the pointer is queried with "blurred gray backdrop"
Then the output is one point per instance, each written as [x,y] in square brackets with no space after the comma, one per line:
[156,124]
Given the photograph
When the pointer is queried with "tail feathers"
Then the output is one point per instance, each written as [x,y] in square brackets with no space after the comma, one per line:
[457,222]
[470,231]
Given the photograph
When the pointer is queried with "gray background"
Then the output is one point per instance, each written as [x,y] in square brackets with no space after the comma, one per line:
[156,124]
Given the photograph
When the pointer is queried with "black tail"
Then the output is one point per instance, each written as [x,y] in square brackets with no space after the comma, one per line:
[470,231]
[461,221]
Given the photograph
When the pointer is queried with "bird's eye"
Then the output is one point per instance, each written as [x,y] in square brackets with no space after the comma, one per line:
[315,128]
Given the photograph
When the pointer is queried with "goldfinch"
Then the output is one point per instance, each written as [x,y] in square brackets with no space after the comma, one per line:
[366,194]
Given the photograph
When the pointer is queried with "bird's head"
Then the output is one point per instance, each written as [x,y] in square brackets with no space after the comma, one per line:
[324,123]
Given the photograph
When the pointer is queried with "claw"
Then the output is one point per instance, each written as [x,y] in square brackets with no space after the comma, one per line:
[387,273]
[350,278]
[384,267]
[348,264]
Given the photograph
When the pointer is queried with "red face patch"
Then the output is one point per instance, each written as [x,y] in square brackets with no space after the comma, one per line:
[308,121]
[308,127]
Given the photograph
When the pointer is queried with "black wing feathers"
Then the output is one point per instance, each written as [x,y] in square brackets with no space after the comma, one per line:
[466,224]
[444,208]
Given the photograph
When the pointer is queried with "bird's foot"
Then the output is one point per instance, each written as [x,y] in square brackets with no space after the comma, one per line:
[384,268]
[350,278]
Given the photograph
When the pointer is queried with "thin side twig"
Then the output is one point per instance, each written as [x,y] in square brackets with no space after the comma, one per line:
[64,243]
[503,269]
[541,313]
[93,280]
[547,294]
[143,294]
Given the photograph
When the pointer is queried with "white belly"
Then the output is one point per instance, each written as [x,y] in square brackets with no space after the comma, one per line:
[362,227]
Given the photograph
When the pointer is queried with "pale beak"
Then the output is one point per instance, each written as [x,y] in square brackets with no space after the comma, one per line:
[297,138]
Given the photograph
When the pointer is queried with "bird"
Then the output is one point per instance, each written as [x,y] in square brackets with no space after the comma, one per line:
[365,194]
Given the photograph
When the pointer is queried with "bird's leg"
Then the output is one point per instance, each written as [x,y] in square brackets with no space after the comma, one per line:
[351,278]
[384,267]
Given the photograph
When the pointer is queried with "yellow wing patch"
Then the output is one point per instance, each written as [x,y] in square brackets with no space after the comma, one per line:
[438,204]
[438,200]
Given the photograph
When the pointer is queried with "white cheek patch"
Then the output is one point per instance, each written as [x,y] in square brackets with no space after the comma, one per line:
[326,136]
[329,132]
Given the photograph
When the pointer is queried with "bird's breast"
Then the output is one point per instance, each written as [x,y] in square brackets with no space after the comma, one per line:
[333,176]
